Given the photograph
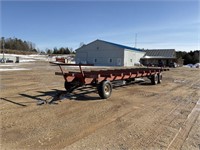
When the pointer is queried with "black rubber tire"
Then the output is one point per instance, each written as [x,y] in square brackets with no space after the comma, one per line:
[105,89]
[159,78]
[154,79]
[129,80]
[69,86]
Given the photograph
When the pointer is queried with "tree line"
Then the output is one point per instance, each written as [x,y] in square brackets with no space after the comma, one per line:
[17,44]
[191,57]
[61,50]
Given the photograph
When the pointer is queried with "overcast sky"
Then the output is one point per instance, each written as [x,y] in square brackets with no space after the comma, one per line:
[158,24]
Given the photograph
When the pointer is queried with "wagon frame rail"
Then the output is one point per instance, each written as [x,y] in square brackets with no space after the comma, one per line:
[103,79]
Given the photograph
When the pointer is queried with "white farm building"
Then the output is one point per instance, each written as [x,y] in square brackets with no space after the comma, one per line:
[103,53]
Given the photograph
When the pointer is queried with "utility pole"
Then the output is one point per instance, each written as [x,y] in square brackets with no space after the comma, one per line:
[3,43]
[135,40]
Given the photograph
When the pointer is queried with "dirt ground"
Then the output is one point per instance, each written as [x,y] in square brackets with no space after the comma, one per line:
[137,116]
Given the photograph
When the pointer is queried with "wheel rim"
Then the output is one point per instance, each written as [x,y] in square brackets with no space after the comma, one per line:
[107,89]
[156,78]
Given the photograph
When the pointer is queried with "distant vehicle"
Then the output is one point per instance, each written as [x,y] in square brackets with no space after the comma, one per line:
[197,65]
[190,65]
[2,60]
[160,63]
[138,64]
[150,65]
[9,61]
[173,65]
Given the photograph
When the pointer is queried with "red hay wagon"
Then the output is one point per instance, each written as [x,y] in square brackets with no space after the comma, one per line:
[102,79]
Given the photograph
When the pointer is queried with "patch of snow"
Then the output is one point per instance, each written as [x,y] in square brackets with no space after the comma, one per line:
[26,60]
[12,69]
[37,57]
[197,65]
[179,81]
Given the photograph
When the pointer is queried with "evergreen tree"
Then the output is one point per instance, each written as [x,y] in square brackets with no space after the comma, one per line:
[18,44]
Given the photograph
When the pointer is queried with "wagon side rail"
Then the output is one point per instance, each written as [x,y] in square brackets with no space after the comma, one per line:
[64,64]
[103,79]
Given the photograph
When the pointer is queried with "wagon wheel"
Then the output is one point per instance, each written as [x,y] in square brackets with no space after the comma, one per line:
[154,79]
[67,86]
[160,78]
[129,80]
[105,89]
[70,86]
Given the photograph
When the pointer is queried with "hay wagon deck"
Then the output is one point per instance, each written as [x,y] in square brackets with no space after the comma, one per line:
[102,79]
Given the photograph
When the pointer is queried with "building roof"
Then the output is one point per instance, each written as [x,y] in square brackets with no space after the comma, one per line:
[123,46]
[160,53]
